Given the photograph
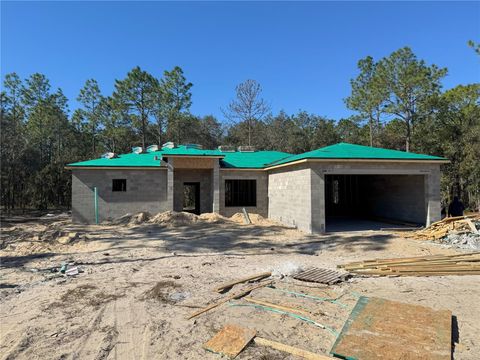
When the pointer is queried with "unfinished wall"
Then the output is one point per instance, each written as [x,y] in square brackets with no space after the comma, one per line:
[203,176]
[262,191]
[146,191]
[290,197]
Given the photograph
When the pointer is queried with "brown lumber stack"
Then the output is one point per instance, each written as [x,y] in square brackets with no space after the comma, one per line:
[434,265]
[439,229]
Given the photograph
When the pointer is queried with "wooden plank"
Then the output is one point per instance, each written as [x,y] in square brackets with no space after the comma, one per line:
[279,307]
[242,280]
[394,331]
[471,225]
[230,341]
[231,297]
[290,349]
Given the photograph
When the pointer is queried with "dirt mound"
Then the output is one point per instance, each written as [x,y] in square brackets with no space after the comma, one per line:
[132,219]
[256,219]
[173,218]
[213,218]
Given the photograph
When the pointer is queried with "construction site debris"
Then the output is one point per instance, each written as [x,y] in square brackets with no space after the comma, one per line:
[231,297]
[435,265]
[323,276]
[230,341]
[242,280]
[286,269]
[290,349]
[380,329]
[468,224]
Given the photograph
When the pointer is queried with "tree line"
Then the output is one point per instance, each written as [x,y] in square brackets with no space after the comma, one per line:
[398,103]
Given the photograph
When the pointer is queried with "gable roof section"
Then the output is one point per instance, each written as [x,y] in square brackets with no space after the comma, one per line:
[347,151]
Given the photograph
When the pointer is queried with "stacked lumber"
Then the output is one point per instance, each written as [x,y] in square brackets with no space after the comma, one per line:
[434,265]
[440,229]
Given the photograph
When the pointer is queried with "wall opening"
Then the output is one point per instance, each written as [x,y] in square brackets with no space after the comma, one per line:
[364,202]
[191,197]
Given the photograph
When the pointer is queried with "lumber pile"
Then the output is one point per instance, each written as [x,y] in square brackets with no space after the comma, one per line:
[435,265]
[446,226]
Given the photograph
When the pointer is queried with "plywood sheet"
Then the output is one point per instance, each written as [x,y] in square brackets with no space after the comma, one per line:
[382,329]
[230,340]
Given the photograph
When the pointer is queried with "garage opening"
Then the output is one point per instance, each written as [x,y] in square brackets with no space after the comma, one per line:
[372,202]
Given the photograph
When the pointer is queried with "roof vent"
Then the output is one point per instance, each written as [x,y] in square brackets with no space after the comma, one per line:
[246,148]
[193,146]
[109,155]
[169,145]
[226,148]
[152,148]
[137,150]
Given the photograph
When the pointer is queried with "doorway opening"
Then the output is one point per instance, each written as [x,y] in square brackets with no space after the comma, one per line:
[191,197]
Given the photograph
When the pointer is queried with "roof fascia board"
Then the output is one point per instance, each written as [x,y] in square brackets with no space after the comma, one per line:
[115,168]
[400,161]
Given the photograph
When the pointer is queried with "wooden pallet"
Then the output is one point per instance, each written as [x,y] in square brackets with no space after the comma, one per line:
[323,276]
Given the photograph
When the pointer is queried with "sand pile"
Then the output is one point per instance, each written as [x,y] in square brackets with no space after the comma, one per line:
[256,219]
[173,218]
[213,218]
[132,219]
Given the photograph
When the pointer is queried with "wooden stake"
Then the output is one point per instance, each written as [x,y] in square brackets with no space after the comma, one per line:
[231,297]
[245,279]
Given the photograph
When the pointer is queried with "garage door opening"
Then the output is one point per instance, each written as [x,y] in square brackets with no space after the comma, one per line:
[372,202]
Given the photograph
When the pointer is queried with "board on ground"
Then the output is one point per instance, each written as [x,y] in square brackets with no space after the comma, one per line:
[382,329]
[230,341]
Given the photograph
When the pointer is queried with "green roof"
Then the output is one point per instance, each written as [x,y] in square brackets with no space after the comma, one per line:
[255,159]
[351,151]
[251,160]
[146,159]
[236,159]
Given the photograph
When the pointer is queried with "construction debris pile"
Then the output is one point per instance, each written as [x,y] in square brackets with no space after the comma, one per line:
[435,265]
[460,231]
[426,329]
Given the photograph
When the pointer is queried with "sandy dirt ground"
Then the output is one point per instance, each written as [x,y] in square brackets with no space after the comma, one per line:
[138,283]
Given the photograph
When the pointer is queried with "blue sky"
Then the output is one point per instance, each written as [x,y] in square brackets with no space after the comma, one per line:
[303,54]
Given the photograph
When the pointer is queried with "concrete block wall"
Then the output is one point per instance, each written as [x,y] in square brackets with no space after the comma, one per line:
[146,191]
[296,193]
[290,197]
[204,177]
[262,191]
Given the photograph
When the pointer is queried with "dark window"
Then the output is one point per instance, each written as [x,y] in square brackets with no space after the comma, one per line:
[119,185]
[240,192]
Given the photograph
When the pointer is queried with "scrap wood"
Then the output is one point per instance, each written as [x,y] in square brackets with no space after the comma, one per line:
[230,341]
[231,297]
[245,279]
[275,306]
[442,228]
[290,349]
